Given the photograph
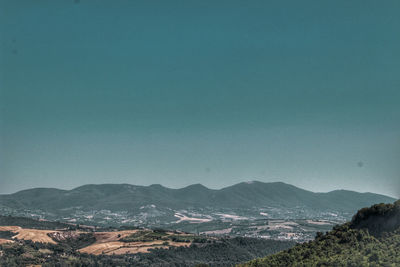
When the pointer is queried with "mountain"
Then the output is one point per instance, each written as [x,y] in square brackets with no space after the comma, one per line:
[371,238]
[125,197]
[254,209]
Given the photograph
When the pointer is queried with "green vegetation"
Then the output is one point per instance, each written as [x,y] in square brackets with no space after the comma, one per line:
[145,236]
[158,234]
[188,238]
[32,223]
[219,252]
[6,234]
[372,238]
[72,240]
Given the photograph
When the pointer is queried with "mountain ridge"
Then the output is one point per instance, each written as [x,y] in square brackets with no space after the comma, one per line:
[194,185]
[242,195]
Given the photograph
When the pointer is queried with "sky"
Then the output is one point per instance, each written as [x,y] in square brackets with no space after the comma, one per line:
[211,92]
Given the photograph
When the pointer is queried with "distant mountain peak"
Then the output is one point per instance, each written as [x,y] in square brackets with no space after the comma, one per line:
[196,186]
[157,186]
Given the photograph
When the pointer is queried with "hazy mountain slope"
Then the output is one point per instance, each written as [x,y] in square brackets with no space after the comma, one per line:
[372,238]
[264,194]
[36,197]
[347,200]
[120,197]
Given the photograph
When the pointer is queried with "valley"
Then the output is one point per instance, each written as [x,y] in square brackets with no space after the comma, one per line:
[25,242]
[371,238]
[276,211]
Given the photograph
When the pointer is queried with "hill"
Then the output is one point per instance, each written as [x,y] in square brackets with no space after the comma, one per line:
[31,223]
[20,246]
[371,238]
[125,197]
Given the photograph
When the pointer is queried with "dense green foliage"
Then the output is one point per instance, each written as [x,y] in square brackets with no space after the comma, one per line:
[74,241]
[378,219]
[6,234]
[157,234]
[372,238]
[145,236]
[222,252]
[31,223]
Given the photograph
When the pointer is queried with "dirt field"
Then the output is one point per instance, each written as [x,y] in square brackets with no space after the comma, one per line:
[102,237]
[29,234]
[2,241]
[118,247]
[106,242]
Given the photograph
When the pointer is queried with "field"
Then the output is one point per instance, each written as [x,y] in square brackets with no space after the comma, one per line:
[108,243]
[28,242]
[131,242]
[29,234]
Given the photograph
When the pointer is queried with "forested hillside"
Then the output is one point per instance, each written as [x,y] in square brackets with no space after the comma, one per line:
[372,238]
[223,252]
[31,223]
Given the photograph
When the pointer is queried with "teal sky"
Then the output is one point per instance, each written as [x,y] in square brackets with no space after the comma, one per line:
[211,92]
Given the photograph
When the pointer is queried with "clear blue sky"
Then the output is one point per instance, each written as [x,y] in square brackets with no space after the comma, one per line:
[211,92]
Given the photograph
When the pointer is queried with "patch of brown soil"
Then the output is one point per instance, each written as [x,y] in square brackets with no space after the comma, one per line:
[102,237]
[3,241]
[134,250]
[35,235]
[29,234]
[118,247]
[10,228]
[106,242]
[100,248]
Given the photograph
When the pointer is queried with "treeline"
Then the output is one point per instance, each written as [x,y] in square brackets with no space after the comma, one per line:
[222,252]
[378,218]
[31,223]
